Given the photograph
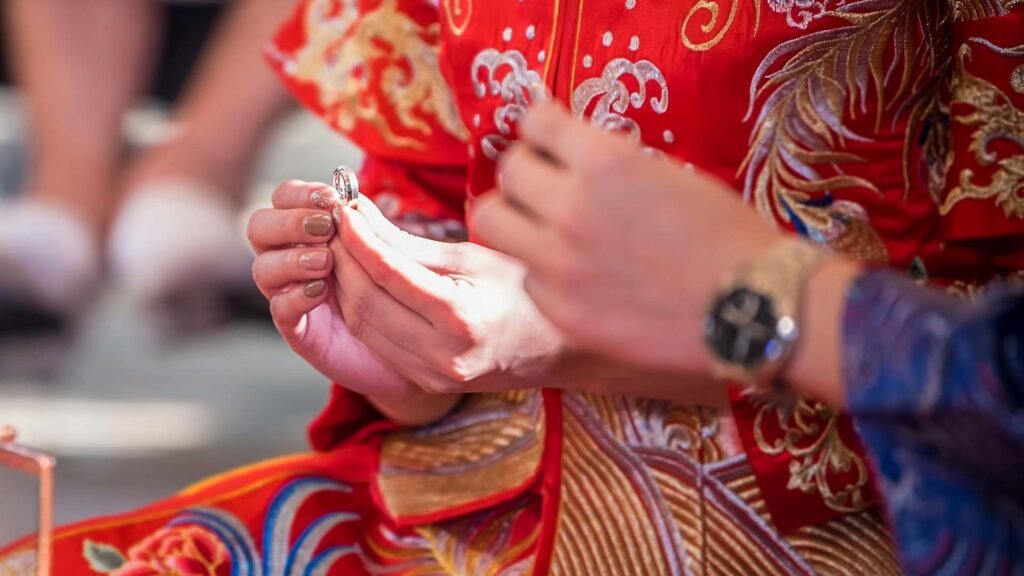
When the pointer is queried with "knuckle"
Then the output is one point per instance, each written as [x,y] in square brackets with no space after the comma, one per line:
[293,222]
[294,263]
[573,319]
[566,216]
[600,158]
[439,385]
[543,116]
[362,305]
[529,122]
[428,385]
[508,164]
[461,326]
[575,271]
[454,257]
[357,326]
[347,310]
[382,273]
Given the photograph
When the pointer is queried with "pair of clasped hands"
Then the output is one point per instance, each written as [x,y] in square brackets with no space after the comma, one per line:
[601,256]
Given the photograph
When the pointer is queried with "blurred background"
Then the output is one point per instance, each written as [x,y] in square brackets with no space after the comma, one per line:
[135,138]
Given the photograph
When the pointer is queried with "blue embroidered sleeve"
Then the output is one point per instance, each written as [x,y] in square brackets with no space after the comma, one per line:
[936,388]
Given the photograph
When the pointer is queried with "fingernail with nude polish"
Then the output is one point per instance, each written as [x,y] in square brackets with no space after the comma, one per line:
[313,260]
[314,288]
[318,225]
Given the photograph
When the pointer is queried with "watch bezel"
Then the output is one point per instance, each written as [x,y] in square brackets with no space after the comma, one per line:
[782,325]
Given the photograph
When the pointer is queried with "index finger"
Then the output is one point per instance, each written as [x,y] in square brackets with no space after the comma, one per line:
[270,228]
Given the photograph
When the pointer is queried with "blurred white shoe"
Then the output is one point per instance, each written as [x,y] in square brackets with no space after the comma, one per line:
[175,247]
[47,257]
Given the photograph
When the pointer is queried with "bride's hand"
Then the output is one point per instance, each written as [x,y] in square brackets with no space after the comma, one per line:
[293,269]
[450,317]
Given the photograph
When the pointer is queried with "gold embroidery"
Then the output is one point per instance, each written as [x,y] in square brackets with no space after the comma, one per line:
[386,552]
[492,444]
[972,291]
[482,544]
[341,44]
[736,540]
[610,521]
[704,15]
[795,159]
[965,290]
[808,432]
[975,9]
[635,492]
[994,117]
[861,541]
[846,230]
[933,108]
[709,9]
[459,13]
[644,422]
[739,538]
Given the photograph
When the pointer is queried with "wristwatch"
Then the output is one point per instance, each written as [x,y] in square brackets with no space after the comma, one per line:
[753,323]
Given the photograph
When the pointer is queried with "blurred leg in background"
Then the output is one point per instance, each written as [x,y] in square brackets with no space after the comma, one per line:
[80,65]
[177,240]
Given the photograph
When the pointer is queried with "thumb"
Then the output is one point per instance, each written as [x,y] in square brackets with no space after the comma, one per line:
[435,255]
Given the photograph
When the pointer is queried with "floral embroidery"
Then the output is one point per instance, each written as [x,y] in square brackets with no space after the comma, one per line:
[822,462]
[614,98]
[212,542]
[507,75]
[180,550]
[994,117]
[347,52]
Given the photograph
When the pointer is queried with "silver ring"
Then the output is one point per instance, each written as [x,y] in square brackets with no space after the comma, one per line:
[346,184]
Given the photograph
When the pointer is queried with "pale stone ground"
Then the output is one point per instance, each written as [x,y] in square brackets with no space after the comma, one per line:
[132,420]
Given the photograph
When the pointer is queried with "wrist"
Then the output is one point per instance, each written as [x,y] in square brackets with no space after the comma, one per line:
[418,408]
[815,368]
[754,322]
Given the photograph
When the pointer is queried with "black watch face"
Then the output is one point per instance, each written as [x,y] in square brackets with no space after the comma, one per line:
[741,328]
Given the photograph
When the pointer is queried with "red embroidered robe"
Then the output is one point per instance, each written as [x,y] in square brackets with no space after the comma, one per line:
[888,130]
